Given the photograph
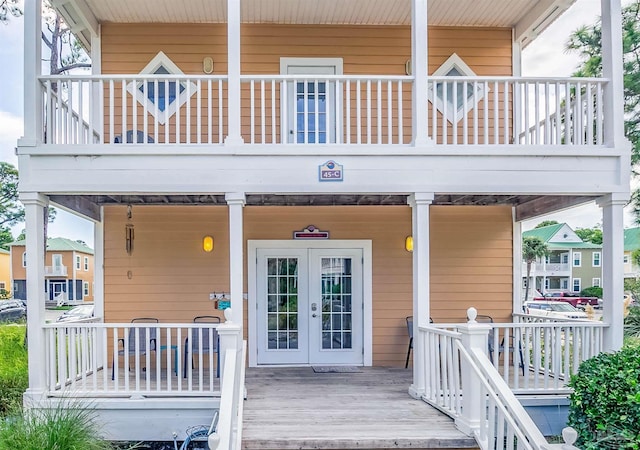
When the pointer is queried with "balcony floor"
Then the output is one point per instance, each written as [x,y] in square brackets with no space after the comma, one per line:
[297,408]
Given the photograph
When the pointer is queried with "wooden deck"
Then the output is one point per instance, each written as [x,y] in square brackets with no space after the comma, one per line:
[297,408]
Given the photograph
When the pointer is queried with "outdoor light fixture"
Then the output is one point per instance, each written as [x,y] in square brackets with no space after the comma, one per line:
[408,243]
[207,243]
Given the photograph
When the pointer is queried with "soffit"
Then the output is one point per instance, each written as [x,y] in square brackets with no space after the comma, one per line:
[487,13]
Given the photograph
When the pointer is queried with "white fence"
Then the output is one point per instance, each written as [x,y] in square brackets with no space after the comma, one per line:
[100,359]
[328,110]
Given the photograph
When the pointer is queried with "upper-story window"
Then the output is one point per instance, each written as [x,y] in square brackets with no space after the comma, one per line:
[162,98]
[625,259]
[86,263]
[456,98]
[24,259]
[577,259]
[596,259]
[78,262]
[576,284]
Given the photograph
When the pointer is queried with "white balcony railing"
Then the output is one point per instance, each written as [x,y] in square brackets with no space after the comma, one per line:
[55,271]
[331,109]
[94,359]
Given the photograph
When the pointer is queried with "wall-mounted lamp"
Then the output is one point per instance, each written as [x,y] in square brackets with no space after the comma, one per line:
[408,243]
[407,67]
[207,243]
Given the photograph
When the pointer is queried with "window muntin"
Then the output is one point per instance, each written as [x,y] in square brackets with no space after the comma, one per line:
[577,259]
[577,283]
[86,263]
[78,262]
[596,259]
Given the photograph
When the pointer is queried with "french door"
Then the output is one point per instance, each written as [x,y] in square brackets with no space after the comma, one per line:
[309,306]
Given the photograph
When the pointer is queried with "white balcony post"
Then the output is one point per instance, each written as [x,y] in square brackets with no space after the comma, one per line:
[98,265]
[97,96]
[33,100]
[612,70]
[474,337]
[420,203]
[35,217]
[236,201]
[613,268]
[233,57]
[419,69]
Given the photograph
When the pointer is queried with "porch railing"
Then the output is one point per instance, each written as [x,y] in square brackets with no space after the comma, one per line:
[470,375]
[328,110]
[125,359]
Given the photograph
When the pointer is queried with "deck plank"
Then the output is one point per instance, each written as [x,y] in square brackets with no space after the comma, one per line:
[296,408]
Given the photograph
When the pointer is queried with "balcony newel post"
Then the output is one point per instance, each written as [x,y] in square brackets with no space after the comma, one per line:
[420,203]
[612,70]
[234,136]
[474,337]
[236,201]
[33,100]
[613,268]
[419,70]
[35,205]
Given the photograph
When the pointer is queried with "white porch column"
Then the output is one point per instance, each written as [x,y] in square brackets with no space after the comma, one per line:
[612,70]
[518,275]
[35,217]
[233,57]
[236,201]
[613,268]
[33,106]
[98,266]
[419,69]
[420,203]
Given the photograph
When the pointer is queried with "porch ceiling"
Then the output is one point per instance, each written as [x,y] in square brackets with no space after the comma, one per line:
[527,206]
[528,17]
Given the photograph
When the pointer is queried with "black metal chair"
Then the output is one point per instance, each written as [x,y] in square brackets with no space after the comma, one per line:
[481,318]
[409,320]
[201,343]
[146,341]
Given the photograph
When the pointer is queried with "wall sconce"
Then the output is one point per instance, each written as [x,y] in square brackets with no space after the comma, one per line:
[408,244]
[207,243]
[407,67]
[207,65]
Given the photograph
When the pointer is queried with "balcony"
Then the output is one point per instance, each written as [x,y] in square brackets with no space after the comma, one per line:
[55,271]
[345,110]
[548,269]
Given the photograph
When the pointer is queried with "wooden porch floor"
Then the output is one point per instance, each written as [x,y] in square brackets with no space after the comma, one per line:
[297,408]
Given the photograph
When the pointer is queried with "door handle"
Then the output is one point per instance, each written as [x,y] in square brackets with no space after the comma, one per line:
[314,315]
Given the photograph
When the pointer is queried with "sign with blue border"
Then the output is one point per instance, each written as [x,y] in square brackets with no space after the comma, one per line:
[330,171]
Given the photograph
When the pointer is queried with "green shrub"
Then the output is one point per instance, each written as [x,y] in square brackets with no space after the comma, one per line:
[66,427]
[605,403]
[14,374]
[632,323]
[593,291]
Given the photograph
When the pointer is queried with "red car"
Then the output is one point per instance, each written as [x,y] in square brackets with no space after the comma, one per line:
[574,299]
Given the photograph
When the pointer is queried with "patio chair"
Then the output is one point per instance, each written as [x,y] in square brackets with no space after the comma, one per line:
[409,320]
[146,341]
[138,138]
[208,346]
[481,318]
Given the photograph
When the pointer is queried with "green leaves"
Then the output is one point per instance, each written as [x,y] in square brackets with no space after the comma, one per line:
[605,403]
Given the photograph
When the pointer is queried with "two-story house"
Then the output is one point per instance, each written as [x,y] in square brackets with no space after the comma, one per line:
[631,244]
[289,153]
[571,264]
[69,268]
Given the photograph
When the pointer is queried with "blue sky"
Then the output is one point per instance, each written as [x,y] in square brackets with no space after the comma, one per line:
[544,57]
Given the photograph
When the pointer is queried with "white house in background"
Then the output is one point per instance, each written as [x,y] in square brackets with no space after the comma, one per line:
[306,143]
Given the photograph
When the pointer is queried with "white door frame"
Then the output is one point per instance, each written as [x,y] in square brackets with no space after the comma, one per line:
[367,287]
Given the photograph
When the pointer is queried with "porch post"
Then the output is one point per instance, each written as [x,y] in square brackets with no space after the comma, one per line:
[612,71]
[613,268]
[35,218]
[420,202]
[419,70]
[236,201]
[233,63]
[33,106]
[98,266]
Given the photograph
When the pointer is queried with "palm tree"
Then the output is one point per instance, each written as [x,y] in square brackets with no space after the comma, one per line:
[532,248]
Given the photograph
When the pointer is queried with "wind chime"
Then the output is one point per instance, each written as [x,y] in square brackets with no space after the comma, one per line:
[128,232]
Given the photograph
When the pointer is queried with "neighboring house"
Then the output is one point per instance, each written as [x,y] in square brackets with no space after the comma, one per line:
[631,244]
[5,271]
[306,141]
[572,264]
[68,271]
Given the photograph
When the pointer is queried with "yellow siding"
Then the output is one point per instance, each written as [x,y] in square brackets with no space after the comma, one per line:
[5,271]
[171,277]
[371,50]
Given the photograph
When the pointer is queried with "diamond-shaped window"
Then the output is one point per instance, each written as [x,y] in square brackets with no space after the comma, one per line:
[170,95]
[464,92]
